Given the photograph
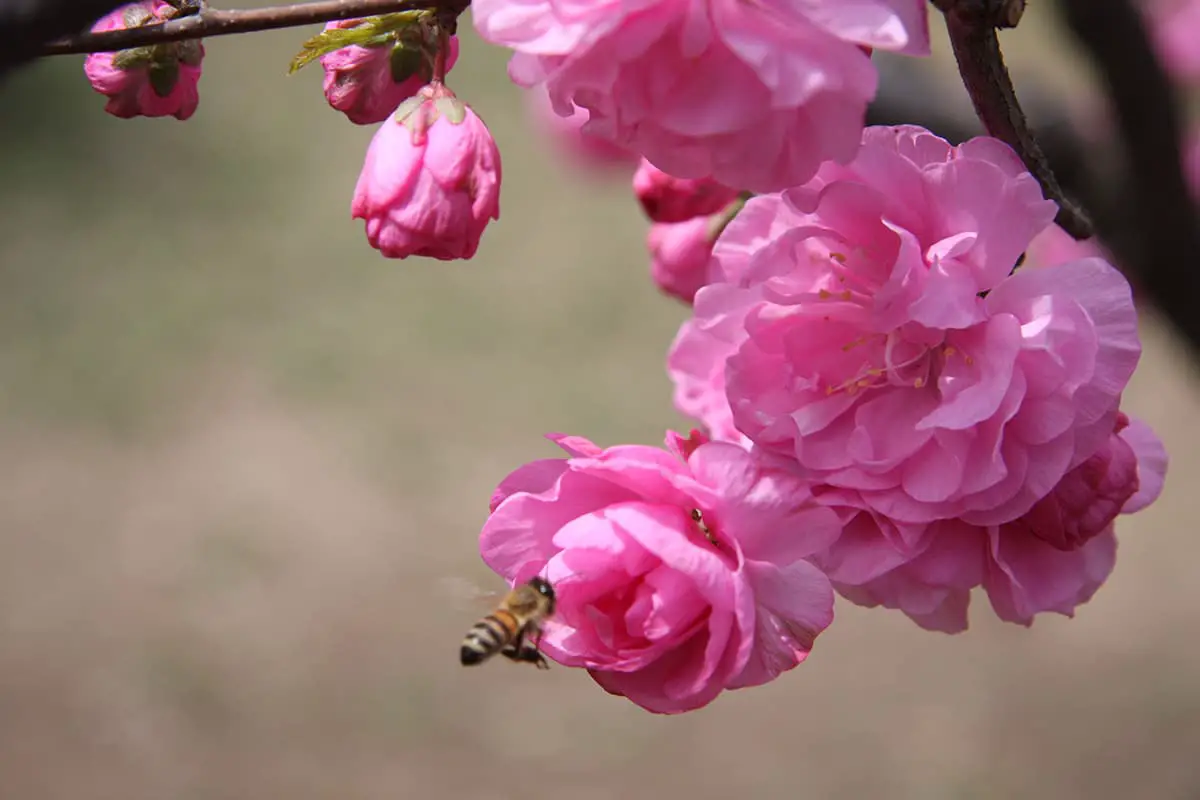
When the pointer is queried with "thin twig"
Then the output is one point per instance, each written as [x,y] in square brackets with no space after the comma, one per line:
[1160,234]
[972,27]
[218,22]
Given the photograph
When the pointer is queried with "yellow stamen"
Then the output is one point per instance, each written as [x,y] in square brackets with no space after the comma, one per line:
[856,343]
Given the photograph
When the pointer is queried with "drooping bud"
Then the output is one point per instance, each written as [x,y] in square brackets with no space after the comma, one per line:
[373,64]
[680,252]
[153,81]
[666,198]
[431,180]
[1089,497]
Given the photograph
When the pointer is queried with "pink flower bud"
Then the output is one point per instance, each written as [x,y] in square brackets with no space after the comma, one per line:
[369,83]
[154,81]
[679,255]
[431,180]
[666,198]
[1089,497]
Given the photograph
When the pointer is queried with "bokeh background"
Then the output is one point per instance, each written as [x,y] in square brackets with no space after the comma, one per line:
[243,460]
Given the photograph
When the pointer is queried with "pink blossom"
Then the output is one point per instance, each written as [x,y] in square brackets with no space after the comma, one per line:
[666,198]
[679,255]
[753,95]
[567,136]
[1055,246]
[363,82]
[1053,559]
[431,180]
[678,574]
[871,330]
[1089,497]
[157,81]
[1175,30]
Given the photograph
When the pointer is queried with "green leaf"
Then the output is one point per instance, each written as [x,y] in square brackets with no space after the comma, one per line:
[408,107]
[374,31]
[163,77]
[133,58]
[189,52]
[405,62]
[136,16]
[453,109]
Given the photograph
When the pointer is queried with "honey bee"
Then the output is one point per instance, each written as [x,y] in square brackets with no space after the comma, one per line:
[514,628]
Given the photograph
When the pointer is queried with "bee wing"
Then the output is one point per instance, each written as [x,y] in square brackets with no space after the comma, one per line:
[464,595]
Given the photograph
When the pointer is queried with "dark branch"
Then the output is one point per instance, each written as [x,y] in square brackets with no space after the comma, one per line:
[1161,237]
[26,25]
[972,27]
[215,22]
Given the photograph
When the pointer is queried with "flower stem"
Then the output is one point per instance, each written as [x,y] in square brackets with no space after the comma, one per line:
[972,27]
[439,60]
[216,22]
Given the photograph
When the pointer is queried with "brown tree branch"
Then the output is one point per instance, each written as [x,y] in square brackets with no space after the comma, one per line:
[1157,228]
[218,22]
[972,27]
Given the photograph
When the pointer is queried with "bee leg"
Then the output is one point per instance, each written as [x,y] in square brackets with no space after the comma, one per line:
[525,652]
[513,650]
[531,655]
[536,652]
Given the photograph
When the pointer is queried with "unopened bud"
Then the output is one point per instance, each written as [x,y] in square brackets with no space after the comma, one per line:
[154,81]
[431,180]
[373,64]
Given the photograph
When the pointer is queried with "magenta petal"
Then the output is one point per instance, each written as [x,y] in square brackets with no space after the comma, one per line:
[1028,576]
[521,529]
[1151,464]
[576,446]
[795,604]
[534,478]
[768,512]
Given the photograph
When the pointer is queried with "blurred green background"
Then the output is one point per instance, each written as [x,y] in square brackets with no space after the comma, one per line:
[242,457]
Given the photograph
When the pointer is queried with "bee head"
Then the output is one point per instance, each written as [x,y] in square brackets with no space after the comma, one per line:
[543,587]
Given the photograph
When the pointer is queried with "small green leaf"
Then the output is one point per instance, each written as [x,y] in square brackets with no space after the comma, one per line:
[720,220]
[136,16]
[163,77]
[133,58]
[374,31]
[408,107]
[453,109]
[189,52]
[405,62]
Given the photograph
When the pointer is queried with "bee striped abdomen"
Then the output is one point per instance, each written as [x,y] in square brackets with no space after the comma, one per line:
[489,636]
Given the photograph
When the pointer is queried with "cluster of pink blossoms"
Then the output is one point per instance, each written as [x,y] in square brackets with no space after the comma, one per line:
[753,95]
[430,183]
[895,411]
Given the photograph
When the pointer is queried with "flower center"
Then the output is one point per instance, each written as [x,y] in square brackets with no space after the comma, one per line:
[909,356]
